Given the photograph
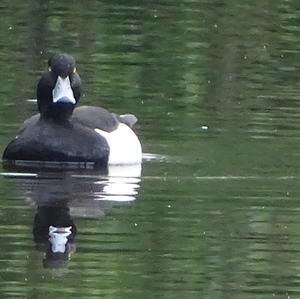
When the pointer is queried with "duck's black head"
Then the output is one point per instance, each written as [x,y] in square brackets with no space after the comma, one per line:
[59,88]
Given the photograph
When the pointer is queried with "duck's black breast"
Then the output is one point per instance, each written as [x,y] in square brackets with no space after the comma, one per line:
[41,140]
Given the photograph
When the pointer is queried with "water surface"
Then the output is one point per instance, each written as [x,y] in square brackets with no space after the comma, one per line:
[215,211]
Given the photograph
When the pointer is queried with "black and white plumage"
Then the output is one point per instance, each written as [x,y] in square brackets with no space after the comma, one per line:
[63,133]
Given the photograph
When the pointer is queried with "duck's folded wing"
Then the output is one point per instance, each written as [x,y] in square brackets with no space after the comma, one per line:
[95,117]
[100,118]
[127,119]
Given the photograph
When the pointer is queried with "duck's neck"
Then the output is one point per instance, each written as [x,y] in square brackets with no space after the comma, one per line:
[58,114]
[57,119]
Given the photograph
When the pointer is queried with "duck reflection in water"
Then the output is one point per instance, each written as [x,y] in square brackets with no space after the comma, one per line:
[61,197]
[54,233]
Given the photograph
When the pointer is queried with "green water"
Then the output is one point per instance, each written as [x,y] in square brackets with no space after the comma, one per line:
[216,211]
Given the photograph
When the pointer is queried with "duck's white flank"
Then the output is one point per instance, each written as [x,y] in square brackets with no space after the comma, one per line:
[125,147]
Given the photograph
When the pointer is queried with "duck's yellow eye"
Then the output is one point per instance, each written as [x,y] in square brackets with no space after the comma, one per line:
[74,70]
[49,69]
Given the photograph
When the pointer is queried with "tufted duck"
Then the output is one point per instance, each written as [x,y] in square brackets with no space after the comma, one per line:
[63,133]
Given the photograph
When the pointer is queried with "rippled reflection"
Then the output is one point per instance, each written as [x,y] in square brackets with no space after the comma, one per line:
[62,197]
[54,233]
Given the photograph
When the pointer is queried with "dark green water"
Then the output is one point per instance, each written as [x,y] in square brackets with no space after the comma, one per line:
[216,211]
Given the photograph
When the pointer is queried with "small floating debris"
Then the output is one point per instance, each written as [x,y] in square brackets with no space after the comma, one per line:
[204,128]
[31,100]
